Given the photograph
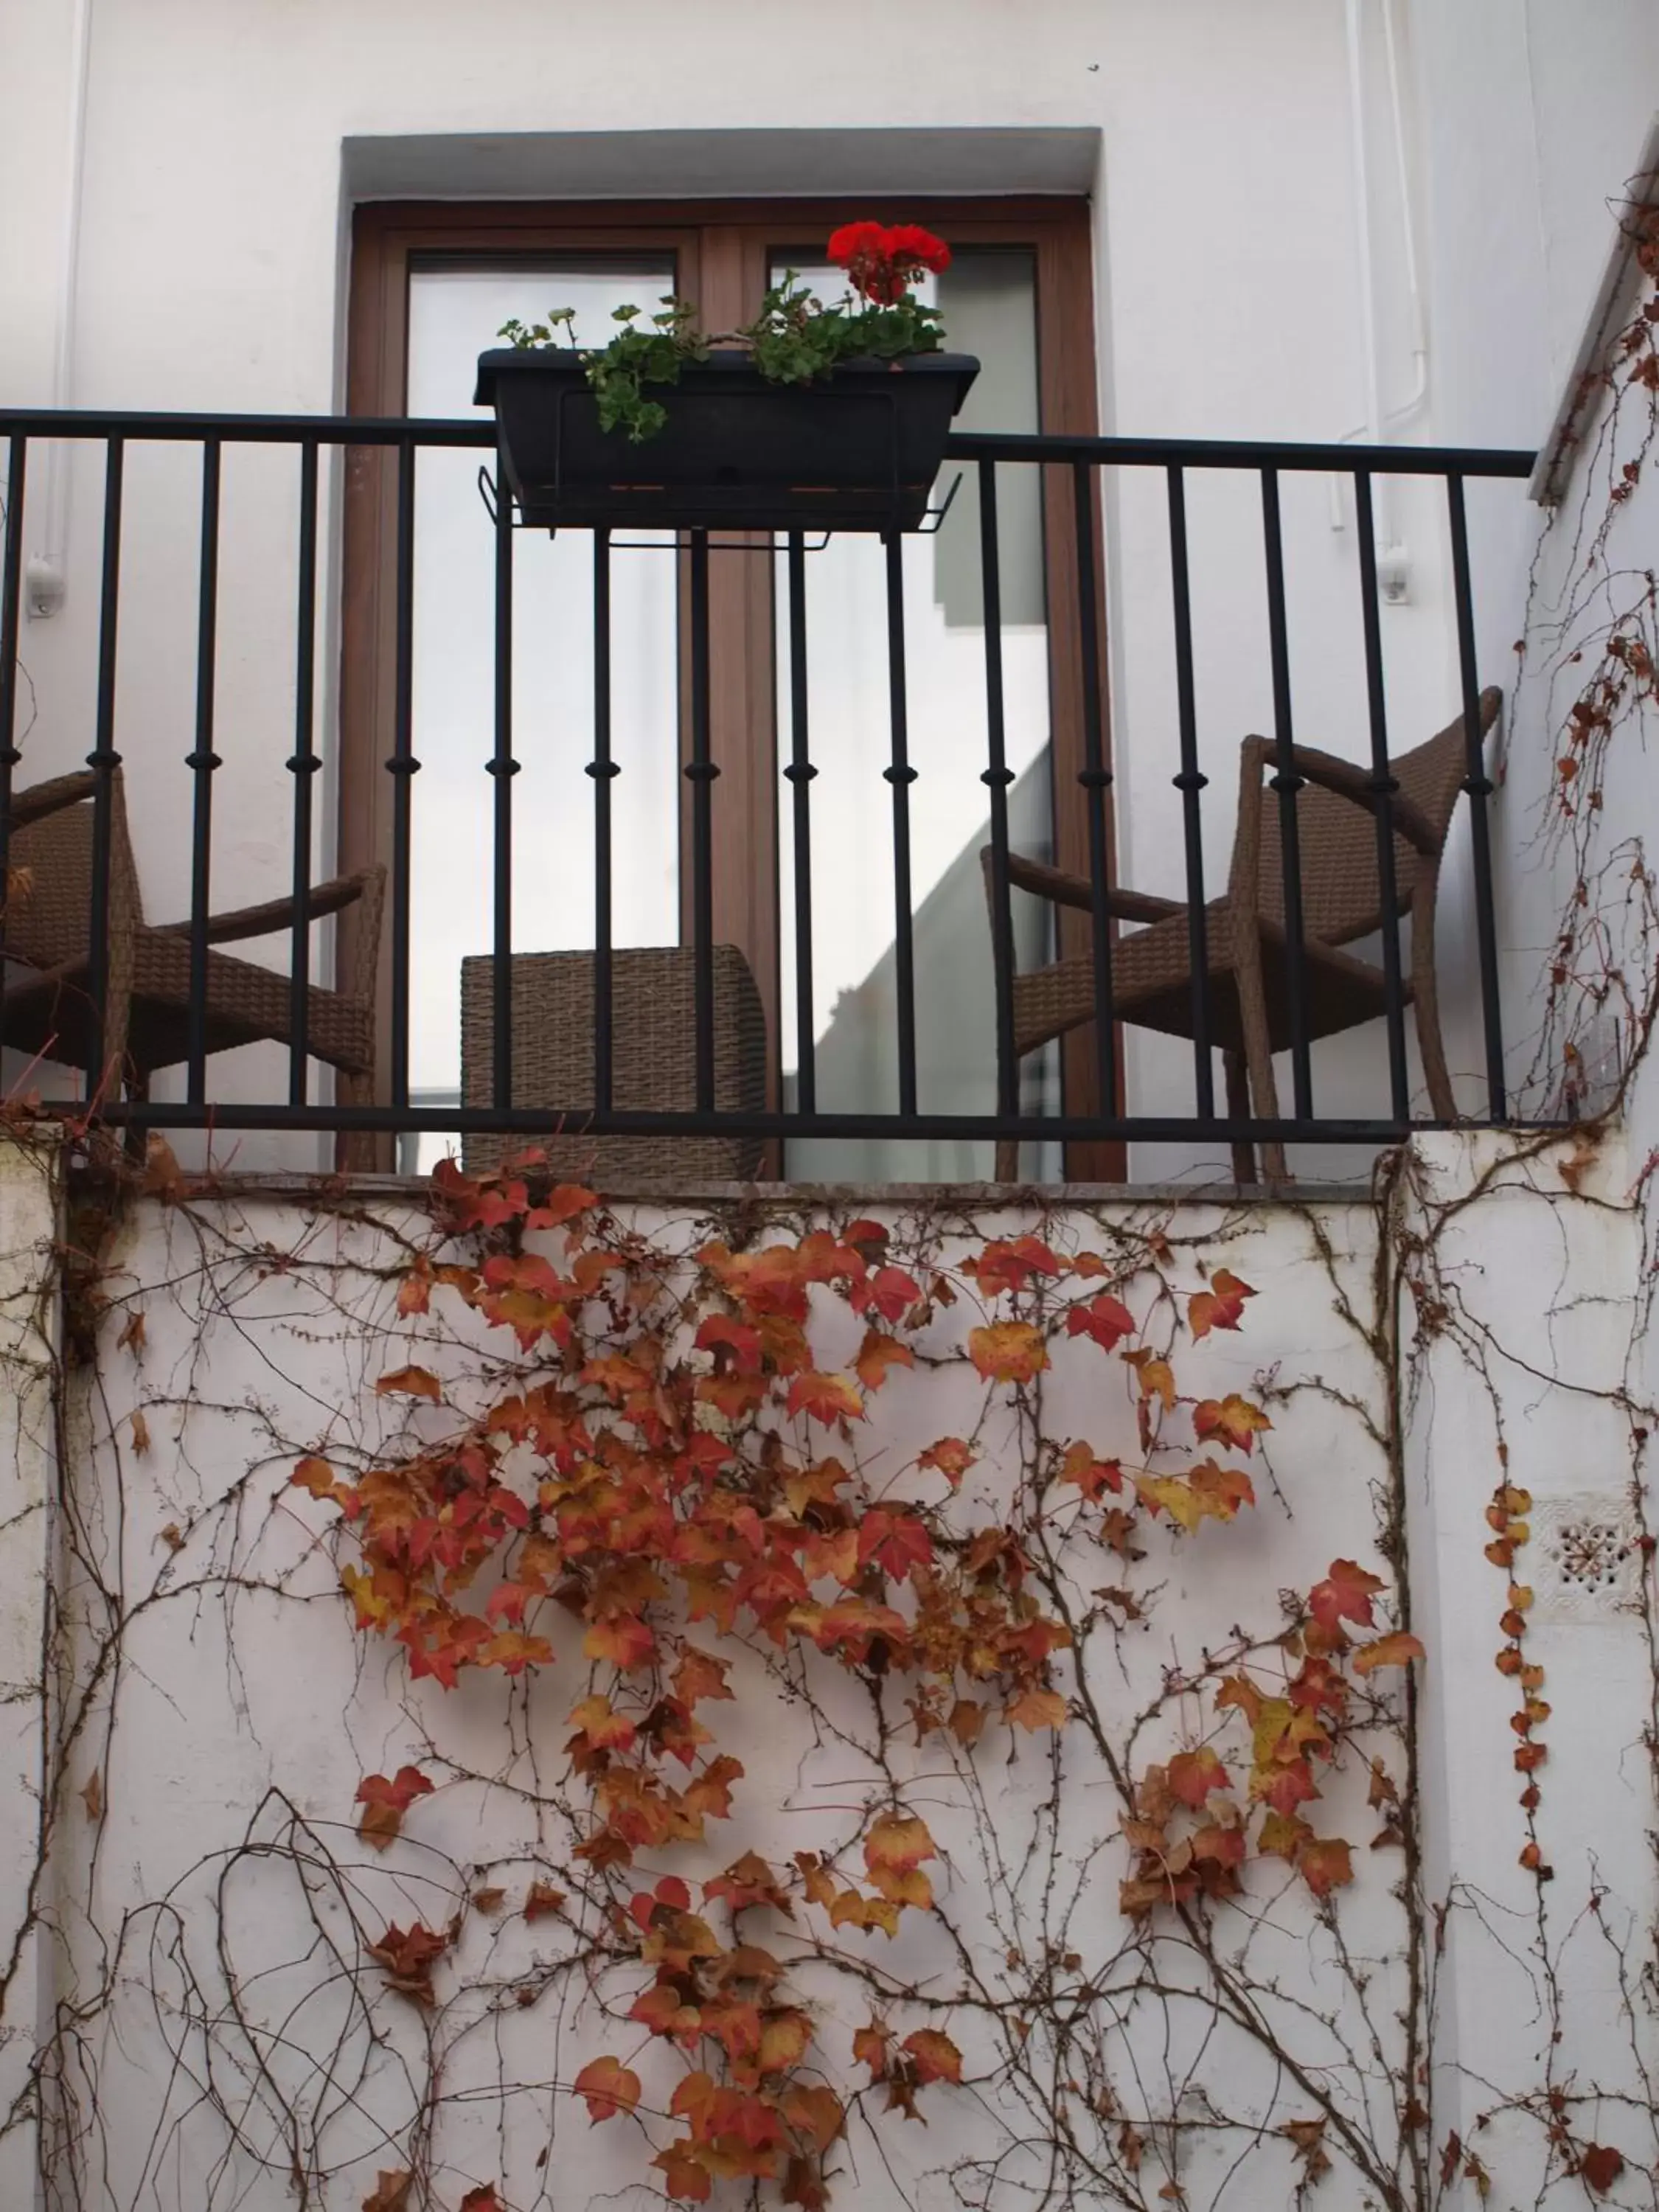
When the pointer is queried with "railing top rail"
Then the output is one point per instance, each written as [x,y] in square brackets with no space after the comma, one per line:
[964,445]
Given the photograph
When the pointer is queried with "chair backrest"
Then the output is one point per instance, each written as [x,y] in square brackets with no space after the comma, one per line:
[1336,840]
[48,911]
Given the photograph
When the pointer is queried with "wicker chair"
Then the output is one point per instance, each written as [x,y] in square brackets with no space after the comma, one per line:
[653,1067]
[44,1007]
[1250,997]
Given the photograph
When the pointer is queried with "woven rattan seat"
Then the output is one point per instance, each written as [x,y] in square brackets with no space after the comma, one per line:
[44,935]
[654,1062]
[1249,995]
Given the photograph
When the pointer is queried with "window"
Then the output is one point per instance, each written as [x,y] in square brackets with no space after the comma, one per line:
[431,286]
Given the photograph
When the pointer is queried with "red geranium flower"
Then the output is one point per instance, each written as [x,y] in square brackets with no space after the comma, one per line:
[885,260]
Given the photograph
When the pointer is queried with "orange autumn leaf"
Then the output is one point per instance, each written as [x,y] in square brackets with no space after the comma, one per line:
[627,1641]
[1232,1417]
[1036,1709]
[936,2057]
[815,2113]
[1396,1651]
[900,1840]
[826,1398]
[604,1728]
[784,2038]
[1008,1350]
[390,2193]
[870,2049]
[877,1354]
[608,2089]
[1155,1375]
[315,1475]
[1220,1306]
[1325,1863]
[950,1456]
[410,1382]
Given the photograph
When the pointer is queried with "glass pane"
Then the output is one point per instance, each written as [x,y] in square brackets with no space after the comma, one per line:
[988,300]
[454,313]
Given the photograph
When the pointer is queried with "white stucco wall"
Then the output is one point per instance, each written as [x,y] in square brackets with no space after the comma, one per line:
[209,1685]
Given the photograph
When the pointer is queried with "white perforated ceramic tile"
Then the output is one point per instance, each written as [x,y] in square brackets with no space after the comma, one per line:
[1584,1560]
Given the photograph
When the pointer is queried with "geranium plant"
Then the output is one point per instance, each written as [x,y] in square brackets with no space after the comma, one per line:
[795,339]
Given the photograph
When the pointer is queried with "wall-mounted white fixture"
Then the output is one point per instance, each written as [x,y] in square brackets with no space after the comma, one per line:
[46,571]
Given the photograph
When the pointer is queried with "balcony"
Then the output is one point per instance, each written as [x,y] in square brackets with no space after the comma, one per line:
[1026,933]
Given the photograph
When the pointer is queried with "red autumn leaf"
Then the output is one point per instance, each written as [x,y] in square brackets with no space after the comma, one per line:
[1346,1594]
[877,1354]
[384,1803]
[1106,1319]
[663,2010]
[541,1899]
[826,1398]
[1396,1651]
[951,1456]
[1091,1475]
[890,1291]
[482,2199]
[410,1382]
[1600,2166]
[936,2057]
[1193,1774]
[897,1542]
[1220,1306]
[1011,1266]
[1232,1417]
[1008,1350]
[407,1956]
[719,1332]
[608,2089]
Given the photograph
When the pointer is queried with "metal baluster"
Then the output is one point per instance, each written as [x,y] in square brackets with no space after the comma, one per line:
[11,590]
[502,767]
[1096,778]
[1479,787]
[303,764]
[901,775]
[403,767]
[604,771]
[997,776]
[701,772]
[104,762]
[800,773]
[1286,782]
[1189,783]
[1384,783]
[201,760]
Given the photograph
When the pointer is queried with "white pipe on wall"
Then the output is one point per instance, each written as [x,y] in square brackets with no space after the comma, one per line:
[46,571]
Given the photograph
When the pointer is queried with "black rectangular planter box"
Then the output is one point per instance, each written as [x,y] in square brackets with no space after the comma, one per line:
[858,451]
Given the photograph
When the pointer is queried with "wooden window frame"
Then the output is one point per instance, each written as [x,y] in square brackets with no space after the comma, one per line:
[722,249]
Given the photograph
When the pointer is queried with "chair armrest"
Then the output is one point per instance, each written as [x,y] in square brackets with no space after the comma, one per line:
[43,799]
[1351,780]
[1055,884]
[276,914]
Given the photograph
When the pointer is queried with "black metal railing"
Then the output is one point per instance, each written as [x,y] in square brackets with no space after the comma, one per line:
[1071,468]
